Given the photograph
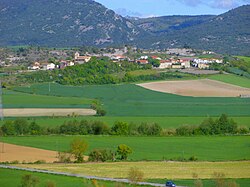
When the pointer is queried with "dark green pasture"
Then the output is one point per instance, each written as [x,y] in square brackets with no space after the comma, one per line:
[132,100]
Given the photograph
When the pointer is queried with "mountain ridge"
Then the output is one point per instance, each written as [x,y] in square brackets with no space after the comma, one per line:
[68,23]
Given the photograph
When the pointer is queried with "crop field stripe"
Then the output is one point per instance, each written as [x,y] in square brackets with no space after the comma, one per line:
[132,100]
[12,99]
[154,170]
[205,148]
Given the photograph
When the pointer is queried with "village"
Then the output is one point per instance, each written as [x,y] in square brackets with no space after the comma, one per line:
[174,62]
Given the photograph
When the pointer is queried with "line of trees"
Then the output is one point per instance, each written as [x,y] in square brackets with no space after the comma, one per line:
[21,127]
[210,126]
[222,125]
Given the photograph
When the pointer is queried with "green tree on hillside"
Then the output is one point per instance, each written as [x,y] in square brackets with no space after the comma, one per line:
[77,149]
[120,128]
[29,180]
[8,128]
[124,150]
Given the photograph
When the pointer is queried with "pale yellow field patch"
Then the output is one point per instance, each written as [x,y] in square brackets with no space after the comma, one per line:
[154,170]
[22,112]
[197,88]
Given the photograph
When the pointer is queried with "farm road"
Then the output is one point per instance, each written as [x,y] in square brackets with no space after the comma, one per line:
[80,176]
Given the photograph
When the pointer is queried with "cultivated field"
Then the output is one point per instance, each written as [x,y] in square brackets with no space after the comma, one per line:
[155,170]
[232,79]
[132,100]
[12,178]
[197,88]
[22,112]
[205,148]
[10,152]
[12,99]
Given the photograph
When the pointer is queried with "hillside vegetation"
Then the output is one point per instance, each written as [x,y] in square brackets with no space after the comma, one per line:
[86,22]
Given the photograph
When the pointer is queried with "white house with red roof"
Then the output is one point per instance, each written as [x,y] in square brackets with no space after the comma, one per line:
[165,64]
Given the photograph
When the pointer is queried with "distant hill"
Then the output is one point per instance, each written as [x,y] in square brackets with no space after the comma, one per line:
[66,23]
[62,23]
[165,24]
[227,33]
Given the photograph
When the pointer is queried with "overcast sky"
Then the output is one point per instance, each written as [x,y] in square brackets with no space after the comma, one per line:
[147,8]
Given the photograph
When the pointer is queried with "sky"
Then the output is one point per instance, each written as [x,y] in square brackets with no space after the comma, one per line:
[151,8]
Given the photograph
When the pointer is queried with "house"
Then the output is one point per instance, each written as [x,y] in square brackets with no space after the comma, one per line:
[64,64]
[185,62]
[70,63]
[118,58]
[142,61]
[35,66]
[177,66]
[203,66]
[165,64]
[207,61]
[81,59]
[48,66]
[144,58]
[156,57]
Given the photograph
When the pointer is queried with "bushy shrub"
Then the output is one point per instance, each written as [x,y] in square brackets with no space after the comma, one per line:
[149,129]
[100,127]
[185,130]
[135,175]
[168,132]
[120,128]
[63,157]
[101,155]
[123,150]
[243,130]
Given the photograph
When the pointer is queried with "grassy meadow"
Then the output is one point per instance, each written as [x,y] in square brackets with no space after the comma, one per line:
[205,148]
[12,178]
[205,182]
[132,100]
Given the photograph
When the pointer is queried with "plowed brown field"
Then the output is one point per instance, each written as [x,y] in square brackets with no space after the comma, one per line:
[10,152]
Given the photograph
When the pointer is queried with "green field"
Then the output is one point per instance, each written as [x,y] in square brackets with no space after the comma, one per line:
[232,79]
[164,122]
[12,99]
[245,58]
[132,100]
[12,178]
[205,182]
[208,148]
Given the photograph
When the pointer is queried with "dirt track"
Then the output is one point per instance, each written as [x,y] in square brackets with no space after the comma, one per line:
[10,152]
[198,88]
[21,112]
